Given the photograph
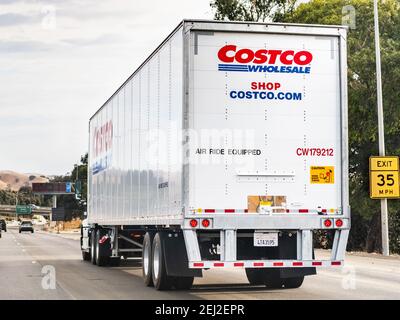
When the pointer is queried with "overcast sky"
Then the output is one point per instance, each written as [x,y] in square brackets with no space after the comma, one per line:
[60,60]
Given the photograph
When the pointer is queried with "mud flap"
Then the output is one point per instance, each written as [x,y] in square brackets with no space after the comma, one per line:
[176,259]
[288,250]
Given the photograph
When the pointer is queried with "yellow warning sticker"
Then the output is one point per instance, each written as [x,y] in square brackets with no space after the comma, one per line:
[322,175]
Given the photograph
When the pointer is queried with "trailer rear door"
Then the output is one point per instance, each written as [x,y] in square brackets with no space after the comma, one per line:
[265,120]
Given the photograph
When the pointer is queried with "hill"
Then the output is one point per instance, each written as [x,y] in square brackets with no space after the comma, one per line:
[11,180]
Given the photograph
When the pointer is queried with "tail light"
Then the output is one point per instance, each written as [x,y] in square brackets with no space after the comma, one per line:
[205,223]
[193,223]
[328,223]
[339,223]
[103,239]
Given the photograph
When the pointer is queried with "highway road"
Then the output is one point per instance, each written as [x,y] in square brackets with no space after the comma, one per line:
[29,261]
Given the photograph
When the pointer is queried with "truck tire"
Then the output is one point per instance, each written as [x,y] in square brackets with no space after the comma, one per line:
[159,272]
[86,256]
[255,276]
[103,250]
[93,246]
[183,283]
[292,283]
[271,279]
[147,259]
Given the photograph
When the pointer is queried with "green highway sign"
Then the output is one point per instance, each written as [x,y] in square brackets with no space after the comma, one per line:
[23,209]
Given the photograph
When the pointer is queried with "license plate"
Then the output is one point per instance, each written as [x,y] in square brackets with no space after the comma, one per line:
[268,239]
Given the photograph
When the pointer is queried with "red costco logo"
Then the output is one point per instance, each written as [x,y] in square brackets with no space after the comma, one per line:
[102,138]
[230,53]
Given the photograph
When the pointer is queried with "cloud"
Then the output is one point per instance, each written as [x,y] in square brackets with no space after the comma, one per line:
[53,79]
[11,47]
[103,39]
[13,19]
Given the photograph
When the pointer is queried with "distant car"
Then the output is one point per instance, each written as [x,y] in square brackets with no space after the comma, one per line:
[26,226]
[3,225]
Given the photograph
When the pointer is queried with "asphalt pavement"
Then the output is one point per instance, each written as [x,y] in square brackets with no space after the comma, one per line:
[49,266]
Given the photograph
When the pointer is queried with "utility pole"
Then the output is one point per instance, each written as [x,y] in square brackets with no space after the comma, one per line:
[77,172]
[381,130]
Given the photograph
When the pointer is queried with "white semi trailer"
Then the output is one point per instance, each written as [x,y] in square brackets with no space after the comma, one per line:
[226,148]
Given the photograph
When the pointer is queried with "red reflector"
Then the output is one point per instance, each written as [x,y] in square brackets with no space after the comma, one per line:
[198,264]
[218,264]
[287,210]
[229,210]
[209,210]
[297,263]
[246,210]
[278,264]
[328,223]
[193,223]
[323,210]
[258,264]
[103,239]
[238,264]
[317,263]
[205,223]
[303,210]
[339,223]
[336,263]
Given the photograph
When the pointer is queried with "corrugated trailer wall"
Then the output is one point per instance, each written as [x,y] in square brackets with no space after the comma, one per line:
[135,158]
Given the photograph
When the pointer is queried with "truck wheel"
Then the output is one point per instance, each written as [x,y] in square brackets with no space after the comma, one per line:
[255,276]
[103,250]
[115,261]
[183,283]
[86,256]
[93,246]
[292,283]
[147,264]
[159,273]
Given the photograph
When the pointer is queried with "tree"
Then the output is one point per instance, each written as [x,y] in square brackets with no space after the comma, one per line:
[75,206]
[252,10]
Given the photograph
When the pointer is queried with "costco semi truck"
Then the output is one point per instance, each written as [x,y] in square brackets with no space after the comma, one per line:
[226,148]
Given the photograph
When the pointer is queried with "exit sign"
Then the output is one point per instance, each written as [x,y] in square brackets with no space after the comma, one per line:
[384,177]
[23,209]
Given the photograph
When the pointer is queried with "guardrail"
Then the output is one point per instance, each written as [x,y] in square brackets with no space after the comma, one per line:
[8,209]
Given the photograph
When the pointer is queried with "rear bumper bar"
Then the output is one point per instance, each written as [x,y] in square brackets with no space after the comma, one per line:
[265,264]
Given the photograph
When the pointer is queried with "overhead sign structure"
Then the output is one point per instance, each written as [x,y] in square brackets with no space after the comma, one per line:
[23,209]
[384,177]
[53,188]
[57,214]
